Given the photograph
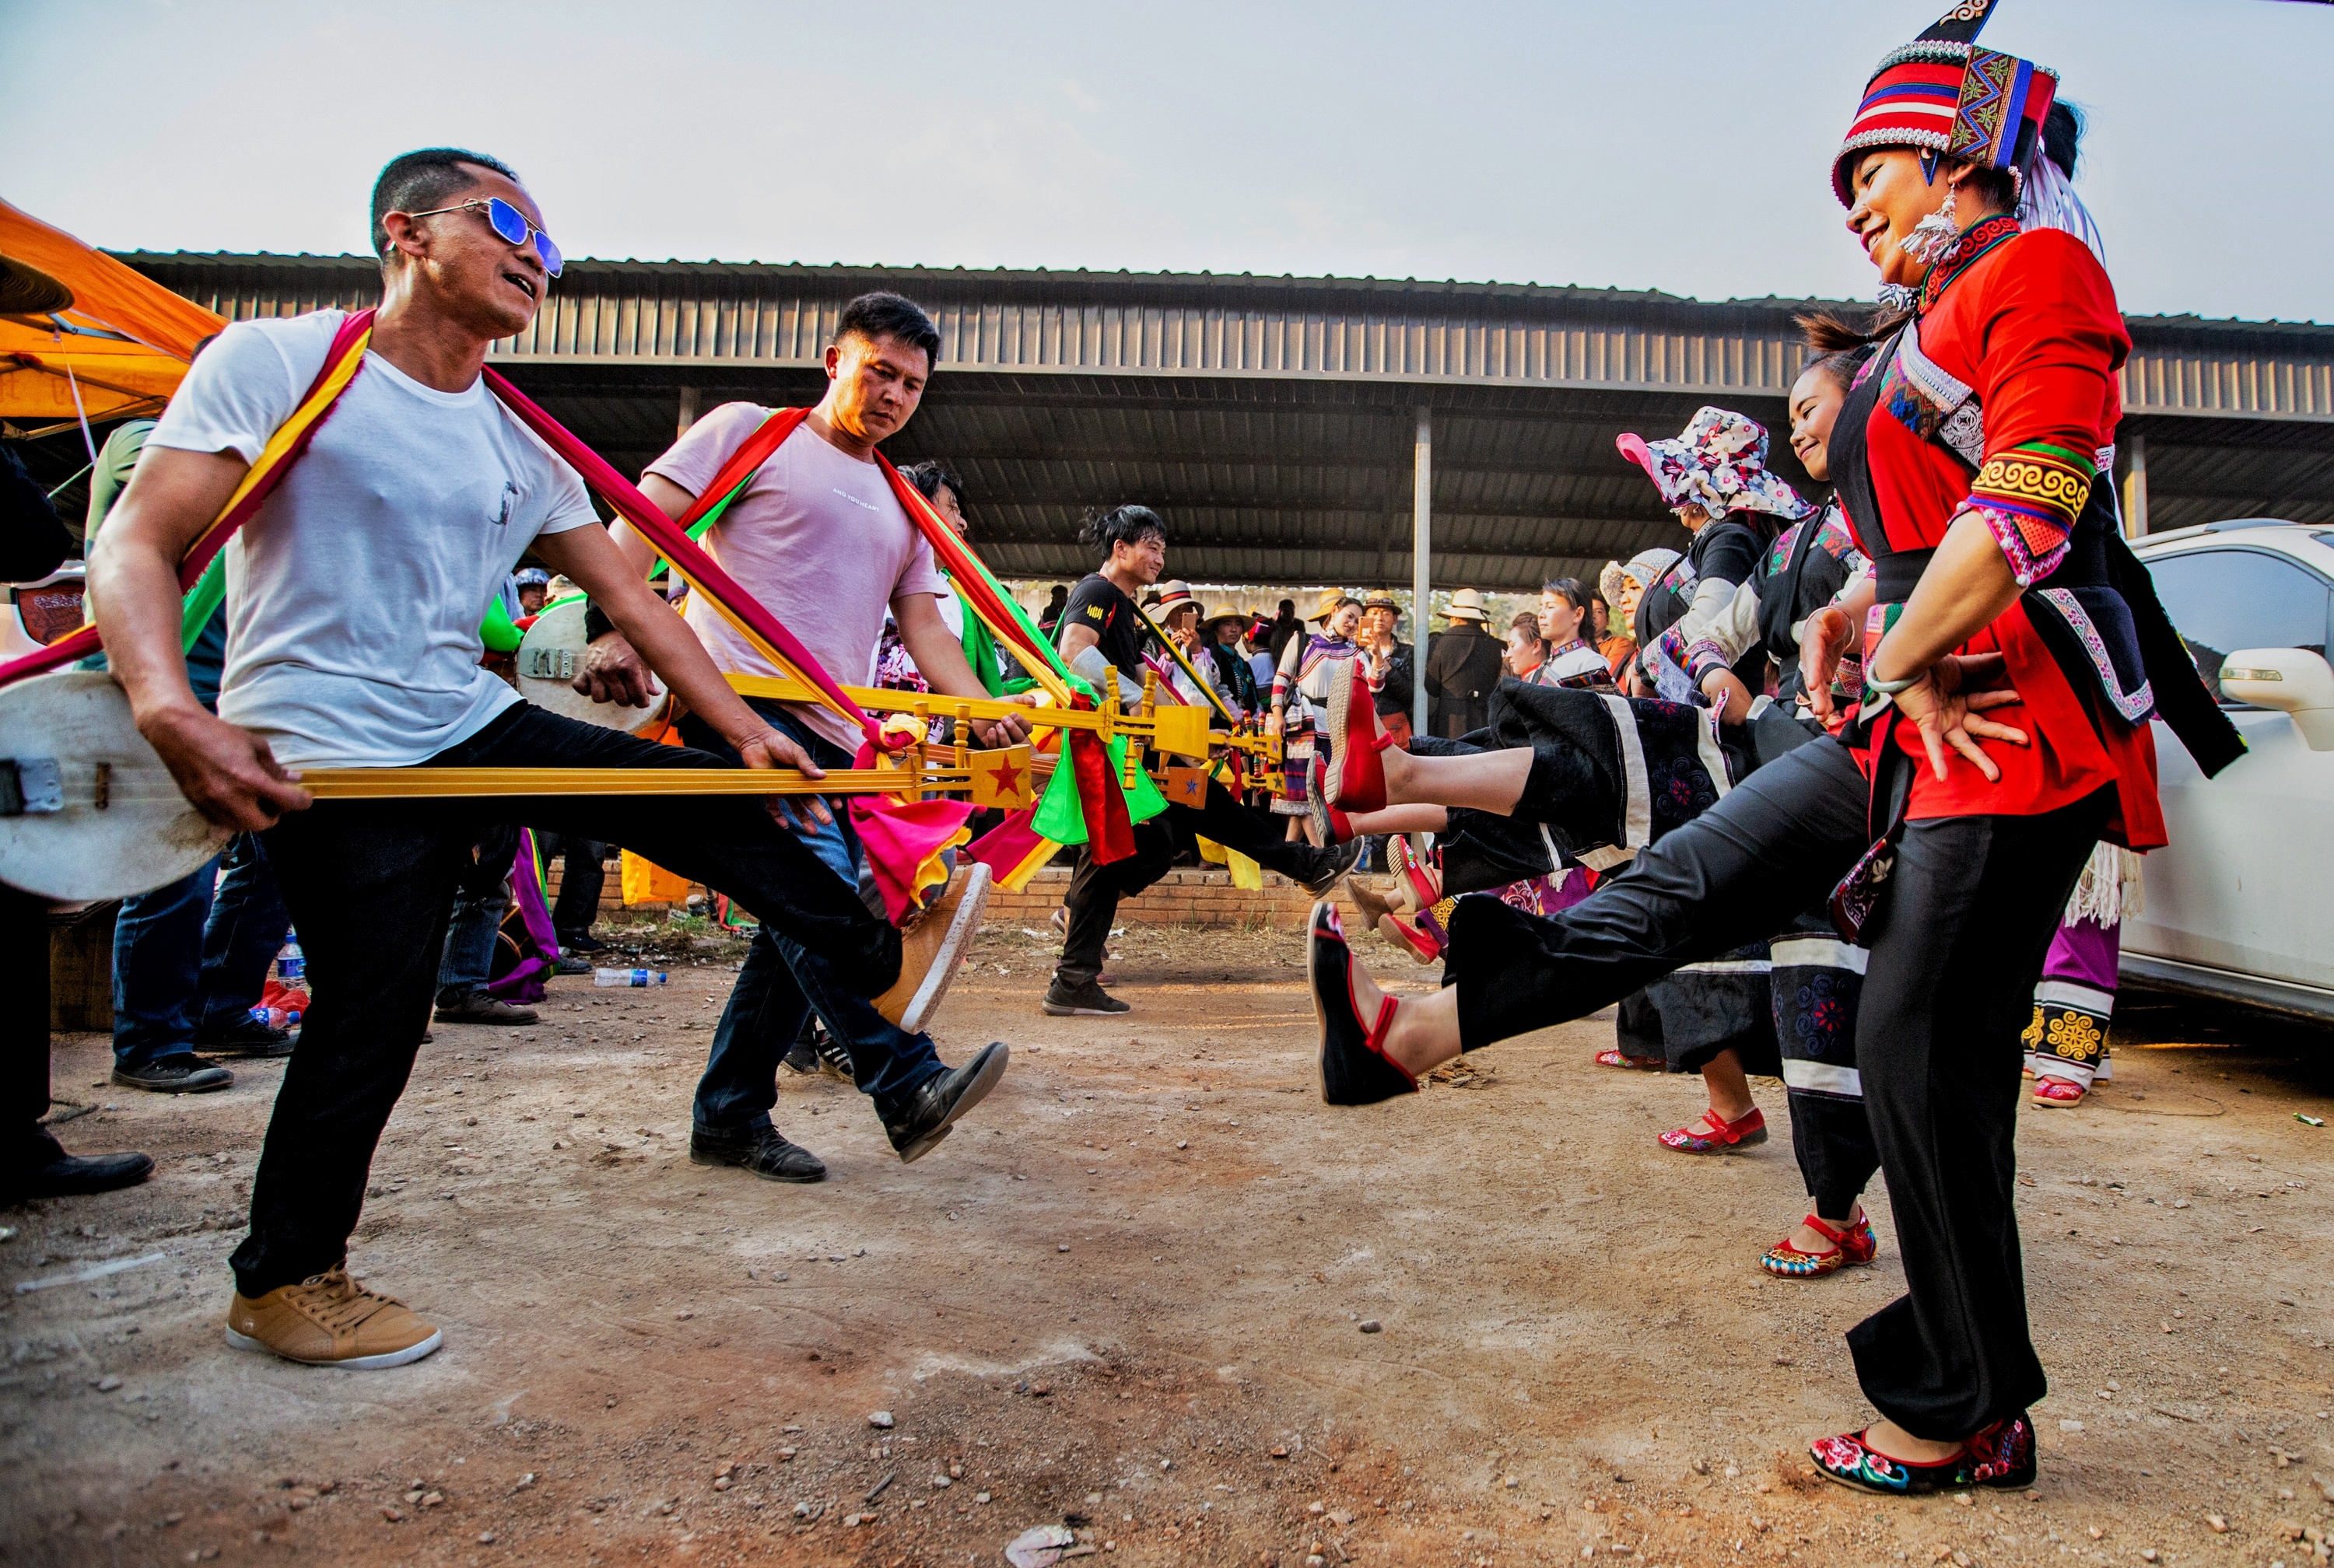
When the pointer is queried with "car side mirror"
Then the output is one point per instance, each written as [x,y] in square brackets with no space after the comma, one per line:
[2293,680]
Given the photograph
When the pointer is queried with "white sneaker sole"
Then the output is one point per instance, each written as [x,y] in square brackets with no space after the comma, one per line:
[926,1001]
[412,1352]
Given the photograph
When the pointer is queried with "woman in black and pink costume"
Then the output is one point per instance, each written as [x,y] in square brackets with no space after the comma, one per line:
[2012,658]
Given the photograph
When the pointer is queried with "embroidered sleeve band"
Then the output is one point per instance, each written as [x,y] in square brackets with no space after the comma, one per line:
[2033,493]
[2016,533]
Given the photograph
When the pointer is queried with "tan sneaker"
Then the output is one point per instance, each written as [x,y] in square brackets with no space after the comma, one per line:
[329,1320]
[931,948]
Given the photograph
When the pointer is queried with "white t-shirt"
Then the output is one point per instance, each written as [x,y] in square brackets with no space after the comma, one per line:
[819,540]
[354,598]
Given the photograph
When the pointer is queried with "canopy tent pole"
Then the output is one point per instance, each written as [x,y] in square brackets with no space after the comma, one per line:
[1422,549]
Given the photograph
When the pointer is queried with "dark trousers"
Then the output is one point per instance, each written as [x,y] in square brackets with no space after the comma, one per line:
[158,959]
[783,981]
[481,899]
[581,882]
[247,928]
[1817,982]
[1956,950]
[24,1033]
[370,885]
[1096,889]
[187,962]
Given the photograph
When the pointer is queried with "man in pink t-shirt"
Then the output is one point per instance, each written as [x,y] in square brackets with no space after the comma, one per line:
[818,537]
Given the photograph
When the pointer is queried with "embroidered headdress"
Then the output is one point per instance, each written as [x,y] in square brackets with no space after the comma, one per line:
[1718,464]
[1945,96]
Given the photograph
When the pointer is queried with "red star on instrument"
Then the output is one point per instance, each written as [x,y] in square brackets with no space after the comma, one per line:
[1007,777]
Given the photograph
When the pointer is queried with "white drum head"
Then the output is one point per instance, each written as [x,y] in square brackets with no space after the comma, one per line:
[74,728]
[551,655]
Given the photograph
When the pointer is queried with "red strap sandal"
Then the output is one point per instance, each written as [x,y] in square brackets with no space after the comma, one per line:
[1711,1135]
[1357,773]
[1854,1245]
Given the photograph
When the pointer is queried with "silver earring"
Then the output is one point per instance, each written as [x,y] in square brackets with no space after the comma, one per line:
[1934,235]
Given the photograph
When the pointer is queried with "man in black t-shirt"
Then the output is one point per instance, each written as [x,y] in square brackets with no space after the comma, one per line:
[1101,638]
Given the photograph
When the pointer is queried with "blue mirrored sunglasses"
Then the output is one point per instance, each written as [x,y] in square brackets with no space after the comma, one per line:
[511,225]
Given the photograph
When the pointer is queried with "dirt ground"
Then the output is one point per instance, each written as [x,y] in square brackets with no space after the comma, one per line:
[1131,1294]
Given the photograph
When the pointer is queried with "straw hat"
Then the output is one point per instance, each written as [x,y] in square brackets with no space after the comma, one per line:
[1466,605]
[1382,600]
[1330,599]
[1173,595]
[1223,612]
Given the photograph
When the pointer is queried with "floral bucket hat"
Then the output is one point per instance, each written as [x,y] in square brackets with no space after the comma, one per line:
[1718,464]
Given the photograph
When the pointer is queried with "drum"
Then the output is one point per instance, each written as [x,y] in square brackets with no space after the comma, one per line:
[87,810]
[550,657]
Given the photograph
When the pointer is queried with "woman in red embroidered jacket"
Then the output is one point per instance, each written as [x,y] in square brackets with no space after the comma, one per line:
[2012,661]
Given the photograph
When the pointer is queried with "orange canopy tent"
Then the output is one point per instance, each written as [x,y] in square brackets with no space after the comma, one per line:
[124,344]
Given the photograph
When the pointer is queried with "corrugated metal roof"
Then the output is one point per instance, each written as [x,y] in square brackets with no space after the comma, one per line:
[722,314]
[1270,419]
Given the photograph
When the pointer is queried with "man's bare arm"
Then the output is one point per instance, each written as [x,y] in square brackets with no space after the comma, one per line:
[939,657]
[228,774]
[612,671]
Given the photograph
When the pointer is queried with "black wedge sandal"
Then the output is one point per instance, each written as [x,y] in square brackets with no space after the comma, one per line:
[1355,1068]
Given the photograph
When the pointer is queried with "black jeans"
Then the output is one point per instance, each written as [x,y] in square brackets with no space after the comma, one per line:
[371,884]
[1956,950]
[1096,889]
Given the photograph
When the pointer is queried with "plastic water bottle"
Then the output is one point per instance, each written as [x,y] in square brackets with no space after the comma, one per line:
[291,968]
[628,976]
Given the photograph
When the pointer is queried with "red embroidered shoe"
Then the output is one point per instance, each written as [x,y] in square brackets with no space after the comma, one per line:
[1357,780]
[1854,1245]
[1354,1067]
[2060,1092]
[1709,1135]
[2000,1455]
[1619,1058]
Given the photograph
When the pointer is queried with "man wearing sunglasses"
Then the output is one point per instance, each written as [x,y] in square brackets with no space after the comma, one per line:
[423,486]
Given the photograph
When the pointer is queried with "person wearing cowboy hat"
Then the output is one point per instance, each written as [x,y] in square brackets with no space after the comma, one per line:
[1222,634]
[1462,668]
[1178,615]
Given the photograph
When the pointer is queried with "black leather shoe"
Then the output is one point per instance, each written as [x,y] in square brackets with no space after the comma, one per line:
[185,1073]
[246,1037]
[1353,1070]
[934,1107]
[570,964]
[1327,866]
[43,1170]
[760,1149]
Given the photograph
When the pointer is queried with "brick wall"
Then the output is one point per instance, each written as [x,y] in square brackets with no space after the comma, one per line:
[1195,896]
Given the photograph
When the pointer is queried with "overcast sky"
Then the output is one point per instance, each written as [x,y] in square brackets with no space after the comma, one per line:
[1680,145]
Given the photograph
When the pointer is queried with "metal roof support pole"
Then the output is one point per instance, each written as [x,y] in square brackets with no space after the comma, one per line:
[1421,552]
[2135,489]
[690,401]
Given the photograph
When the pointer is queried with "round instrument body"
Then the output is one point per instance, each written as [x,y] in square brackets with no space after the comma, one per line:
[550,657]
[120,826]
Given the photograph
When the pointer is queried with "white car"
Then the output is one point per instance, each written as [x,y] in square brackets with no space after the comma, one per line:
[2240,905]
